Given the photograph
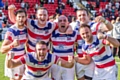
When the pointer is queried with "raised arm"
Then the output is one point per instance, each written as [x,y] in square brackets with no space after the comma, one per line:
[105,25]
[11,14]
[108,40]
[11,63]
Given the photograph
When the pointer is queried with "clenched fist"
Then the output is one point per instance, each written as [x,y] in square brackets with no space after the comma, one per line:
[11,55]
[100,19]
[100,35]
[11,7]
[15,43]
[69,30]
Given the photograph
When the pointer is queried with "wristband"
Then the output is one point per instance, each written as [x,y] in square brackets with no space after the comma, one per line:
[106,22]
[106,37]
[11,46]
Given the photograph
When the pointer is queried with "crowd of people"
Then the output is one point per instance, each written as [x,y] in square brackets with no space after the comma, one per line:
[37,48]
[110,11]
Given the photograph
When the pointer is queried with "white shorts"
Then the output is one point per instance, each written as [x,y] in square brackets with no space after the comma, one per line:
[44,78]
[87,70]
[108,73]
[14,72]
[61,73]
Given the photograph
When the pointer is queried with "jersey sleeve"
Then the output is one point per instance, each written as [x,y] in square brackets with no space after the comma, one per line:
[54,58]
[104,42]
[95,28]
[78,38]
[9,35]
[28,22]
[23,59]
[79,47]
[56,25]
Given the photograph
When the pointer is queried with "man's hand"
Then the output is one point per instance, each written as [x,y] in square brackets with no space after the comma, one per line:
[100,35]
[10,55]
[70,59]
[15,43]
[76,58]
[11,7]
[100,19]
[69,30]
[66,63]
[70,62]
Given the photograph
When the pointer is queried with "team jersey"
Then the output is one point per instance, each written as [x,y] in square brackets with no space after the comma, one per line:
[94,27]
[100,52]
[20,34]
[63,44]
[37,69]
[35,33]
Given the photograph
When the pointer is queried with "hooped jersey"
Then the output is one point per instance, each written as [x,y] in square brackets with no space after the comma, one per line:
[35,33]
[63,44]
[20,34]
[100,52]
[37,69]
[94,27]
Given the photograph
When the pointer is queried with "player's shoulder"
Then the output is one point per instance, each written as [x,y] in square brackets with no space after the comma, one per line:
[30,55]
[12,28]
[91,23]
[50,24]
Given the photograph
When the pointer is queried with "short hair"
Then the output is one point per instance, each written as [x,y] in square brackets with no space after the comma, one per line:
[41,8]
[82,9]
[51,17]
[118,19]
[20,11]
[84,25]
[73,18]
[41,42]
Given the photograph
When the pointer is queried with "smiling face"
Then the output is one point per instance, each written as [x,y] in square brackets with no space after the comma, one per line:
[82,16]
[41,51]
[63,23]
[20,19]
[86,34]
[42,16]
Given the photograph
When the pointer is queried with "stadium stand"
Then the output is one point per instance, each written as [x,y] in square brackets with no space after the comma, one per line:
[51,7]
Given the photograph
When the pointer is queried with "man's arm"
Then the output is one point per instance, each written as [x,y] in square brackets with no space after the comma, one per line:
[69,30]
[11,9]
[12,63]
[86,59]
[8,45]
[66,64]
[11,14]
[105,25]
[108,40]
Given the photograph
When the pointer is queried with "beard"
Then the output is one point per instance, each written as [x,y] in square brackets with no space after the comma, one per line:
[21,24]
[63,29]
[90,39]
[83,23]
[42,21]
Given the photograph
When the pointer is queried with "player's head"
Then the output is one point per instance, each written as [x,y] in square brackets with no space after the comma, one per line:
[41,50]
[85,33]
[42,15]
[83,16]
[63,23]
[21,17]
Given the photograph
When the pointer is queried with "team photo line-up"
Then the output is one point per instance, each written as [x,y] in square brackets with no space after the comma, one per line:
[41,49]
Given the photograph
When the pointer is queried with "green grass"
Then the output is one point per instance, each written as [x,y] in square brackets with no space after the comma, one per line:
[2,58]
